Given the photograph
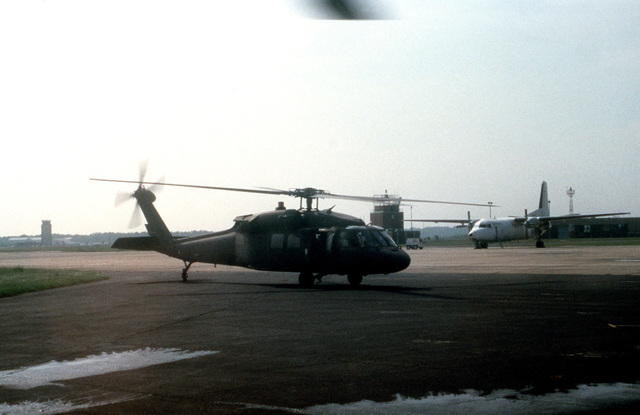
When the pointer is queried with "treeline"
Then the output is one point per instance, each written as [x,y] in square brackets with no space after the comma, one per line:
[101,238]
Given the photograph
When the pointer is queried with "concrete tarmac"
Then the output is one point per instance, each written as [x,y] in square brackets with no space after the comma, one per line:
[532,321]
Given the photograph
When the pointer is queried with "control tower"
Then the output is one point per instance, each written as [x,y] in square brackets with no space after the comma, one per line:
[45,233]
[386,214]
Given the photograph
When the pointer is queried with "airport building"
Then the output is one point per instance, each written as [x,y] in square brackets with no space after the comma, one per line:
[614,227]
[386,214]
[45,233]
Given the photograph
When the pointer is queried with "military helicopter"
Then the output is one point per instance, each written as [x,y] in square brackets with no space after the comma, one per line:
[312,242]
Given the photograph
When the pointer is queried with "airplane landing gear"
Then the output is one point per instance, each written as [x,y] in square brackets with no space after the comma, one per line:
[187,265]
[539,242]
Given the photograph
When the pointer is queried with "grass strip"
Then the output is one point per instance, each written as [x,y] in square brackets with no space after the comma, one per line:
[19,280]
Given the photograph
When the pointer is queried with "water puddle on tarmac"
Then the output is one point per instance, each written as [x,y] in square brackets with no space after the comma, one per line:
[54,371]
[584,398]
[48,373]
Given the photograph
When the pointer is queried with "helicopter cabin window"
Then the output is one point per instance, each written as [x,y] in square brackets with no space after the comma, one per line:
[348,239]
[383,238]
[364,238]
[293,242]
[277,241]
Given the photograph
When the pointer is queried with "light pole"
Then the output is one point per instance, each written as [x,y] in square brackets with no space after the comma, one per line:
[411,207]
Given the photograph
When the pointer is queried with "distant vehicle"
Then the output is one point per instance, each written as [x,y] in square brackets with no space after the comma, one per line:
[413,240]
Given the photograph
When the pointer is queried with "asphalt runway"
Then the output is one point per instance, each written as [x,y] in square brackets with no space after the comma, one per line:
[554,330]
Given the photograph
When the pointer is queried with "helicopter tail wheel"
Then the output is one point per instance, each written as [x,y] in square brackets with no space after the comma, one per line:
[306,279]
[354,279]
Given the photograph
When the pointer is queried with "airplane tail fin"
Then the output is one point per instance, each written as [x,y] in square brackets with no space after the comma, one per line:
[543,206]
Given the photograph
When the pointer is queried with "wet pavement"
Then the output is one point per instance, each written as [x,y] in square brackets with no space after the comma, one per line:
[534,322]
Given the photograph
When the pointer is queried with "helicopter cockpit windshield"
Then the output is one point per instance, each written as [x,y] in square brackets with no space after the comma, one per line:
[365,237]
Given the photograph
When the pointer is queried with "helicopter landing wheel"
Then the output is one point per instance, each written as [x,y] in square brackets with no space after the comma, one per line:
[185,271]
[354,279]
[306,279]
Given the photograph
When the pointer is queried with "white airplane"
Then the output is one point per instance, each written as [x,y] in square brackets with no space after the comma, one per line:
[532,225]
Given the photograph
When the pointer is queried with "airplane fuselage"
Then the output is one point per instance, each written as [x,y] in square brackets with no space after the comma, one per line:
[499,230]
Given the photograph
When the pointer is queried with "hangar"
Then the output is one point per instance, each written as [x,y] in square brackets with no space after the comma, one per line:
[596,228]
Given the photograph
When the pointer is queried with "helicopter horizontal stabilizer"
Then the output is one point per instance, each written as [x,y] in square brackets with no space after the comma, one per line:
[137,243]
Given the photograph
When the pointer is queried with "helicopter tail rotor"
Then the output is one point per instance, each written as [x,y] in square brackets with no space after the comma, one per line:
[140,192]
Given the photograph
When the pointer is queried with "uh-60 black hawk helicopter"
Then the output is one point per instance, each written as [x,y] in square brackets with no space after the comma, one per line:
[309,241]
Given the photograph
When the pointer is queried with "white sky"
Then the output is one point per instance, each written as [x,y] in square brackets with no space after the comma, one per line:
[469,101]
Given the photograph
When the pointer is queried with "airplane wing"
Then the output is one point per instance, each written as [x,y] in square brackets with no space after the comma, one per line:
[460,221]
[568,217]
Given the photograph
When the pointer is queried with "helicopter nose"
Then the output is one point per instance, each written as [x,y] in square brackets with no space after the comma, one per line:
[400,260]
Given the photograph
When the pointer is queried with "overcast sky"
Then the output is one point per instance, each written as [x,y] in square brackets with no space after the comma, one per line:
[470,101]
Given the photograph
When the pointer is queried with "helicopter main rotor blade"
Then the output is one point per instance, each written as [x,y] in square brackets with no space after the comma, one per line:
[348,9]
[231,189]
[306,193]
[392,199]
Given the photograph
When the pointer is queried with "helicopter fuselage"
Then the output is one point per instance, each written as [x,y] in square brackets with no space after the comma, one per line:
[295,241]
[305,241]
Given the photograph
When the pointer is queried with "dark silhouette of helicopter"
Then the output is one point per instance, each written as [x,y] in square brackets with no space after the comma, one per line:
[309,241]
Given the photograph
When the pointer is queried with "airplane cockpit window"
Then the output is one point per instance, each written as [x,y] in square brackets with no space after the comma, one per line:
[484,225]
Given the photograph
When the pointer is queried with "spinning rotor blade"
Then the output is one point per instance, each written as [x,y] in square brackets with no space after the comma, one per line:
[122,197]
[136,217]
[392,199]
[307,193]
[232,189]
[347,9]
[142,170]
